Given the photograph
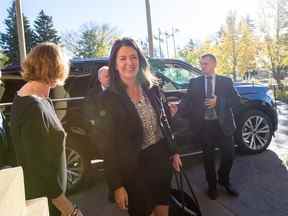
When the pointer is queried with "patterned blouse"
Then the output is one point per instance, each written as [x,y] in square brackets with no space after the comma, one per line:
[151,129]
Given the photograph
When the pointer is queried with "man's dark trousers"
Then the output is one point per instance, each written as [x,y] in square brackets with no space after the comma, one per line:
[211,136]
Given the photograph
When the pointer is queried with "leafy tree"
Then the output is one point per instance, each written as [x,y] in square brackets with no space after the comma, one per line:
[9,39]
[236,47]
[3,59]
[275,31]
[93,40]
[191,46]
[44,29]
[189,53]
[232,40]
[247,47]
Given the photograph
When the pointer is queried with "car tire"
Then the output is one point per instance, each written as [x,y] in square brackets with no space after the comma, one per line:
[77,164]
[254,132]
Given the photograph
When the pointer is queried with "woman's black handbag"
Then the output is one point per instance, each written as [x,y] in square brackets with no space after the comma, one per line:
[181,203]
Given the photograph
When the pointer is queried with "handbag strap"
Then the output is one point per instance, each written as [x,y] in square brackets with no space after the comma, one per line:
[179,185]
[191,189]
[180,178]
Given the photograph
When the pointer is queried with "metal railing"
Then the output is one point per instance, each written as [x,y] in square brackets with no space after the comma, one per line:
[53,100]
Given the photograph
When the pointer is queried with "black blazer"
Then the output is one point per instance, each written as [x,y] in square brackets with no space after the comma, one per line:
[121,133]
[192,105]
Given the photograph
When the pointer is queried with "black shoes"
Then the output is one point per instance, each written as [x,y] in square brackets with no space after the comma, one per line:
[230,189]
[212,193]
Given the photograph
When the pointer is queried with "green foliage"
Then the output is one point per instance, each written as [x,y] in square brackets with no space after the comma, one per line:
[247,47]
[93,40]
[3,60]
[235,47]
[189,56]
[275,31]
[178,75]
[44,29]
[189,53]
[9,39]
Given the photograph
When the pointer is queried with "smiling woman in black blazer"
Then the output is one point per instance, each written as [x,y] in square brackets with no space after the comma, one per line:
[137,156]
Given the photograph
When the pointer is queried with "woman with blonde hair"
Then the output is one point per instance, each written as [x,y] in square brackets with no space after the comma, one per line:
[37,133]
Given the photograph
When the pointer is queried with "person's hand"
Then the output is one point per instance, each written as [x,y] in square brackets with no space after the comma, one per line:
[121,198]
[173,107]
[211,103]
[176,162]
[79,213]
[64,205]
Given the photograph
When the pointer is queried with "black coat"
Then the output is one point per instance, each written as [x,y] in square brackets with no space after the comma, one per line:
[192,106]
[121,133]
[95,90]
[90,104]
[89,108]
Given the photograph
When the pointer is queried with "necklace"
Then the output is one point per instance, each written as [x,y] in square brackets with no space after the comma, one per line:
[148,117]
[136,94]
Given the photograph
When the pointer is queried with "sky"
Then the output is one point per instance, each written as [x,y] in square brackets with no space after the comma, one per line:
[196,19]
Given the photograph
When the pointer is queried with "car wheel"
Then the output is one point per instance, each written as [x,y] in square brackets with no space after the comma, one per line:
[77,166]
[254,132]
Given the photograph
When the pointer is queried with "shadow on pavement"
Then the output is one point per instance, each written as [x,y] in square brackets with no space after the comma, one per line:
[262,181]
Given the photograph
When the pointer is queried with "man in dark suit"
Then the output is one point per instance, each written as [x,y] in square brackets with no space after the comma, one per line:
[208,106]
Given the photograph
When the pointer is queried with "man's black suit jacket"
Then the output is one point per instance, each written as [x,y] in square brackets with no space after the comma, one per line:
[192,105]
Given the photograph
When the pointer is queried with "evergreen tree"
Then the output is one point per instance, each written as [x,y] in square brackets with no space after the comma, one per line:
[44,29]
[9,39]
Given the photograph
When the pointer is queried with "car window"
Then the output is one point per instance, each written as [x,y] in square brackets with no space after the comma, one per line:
[168,86]
[176,75]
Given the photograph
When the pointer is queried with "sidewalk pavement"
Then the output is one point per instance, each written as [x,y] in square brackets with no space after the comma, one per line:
[261,179]
[94,200]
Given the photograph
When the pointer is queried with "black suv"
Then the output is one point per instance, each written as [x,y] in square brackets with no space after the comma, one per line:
[256,118]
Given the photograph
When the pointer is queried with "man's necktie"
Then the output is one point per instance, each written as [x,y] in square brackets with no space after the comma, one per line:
[209,89]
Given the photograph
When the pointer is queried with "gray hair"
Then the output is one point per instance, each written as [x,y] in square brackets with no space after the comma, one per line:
[102,69]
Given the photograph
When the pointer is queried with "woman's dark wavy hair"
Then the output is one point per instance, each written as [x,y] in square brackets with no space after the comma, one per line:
[144,76]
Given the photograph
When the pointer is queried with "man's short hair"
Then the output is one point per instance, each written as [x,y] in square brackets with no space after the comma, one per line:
[210,56]
[102,69]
